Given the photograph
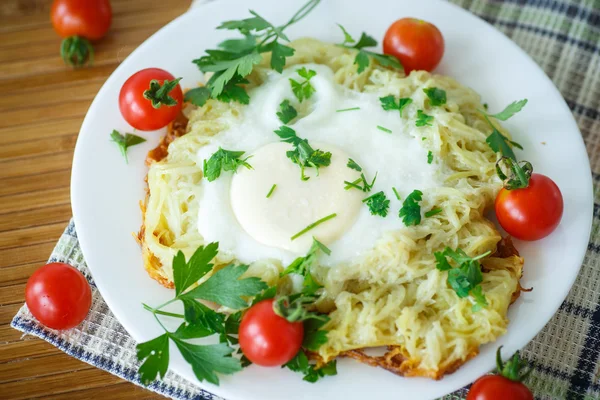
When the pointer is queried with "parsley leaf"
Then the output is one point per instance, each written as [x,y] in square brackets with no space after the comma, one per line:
[378,204]
[197,96]
[158,93]
[429,157]
[411,209]
[191,331]
[465,277]
[303,154]
[437,97]
[279,52]
[353,165]
[303,265]
[314,336]
[266,294]
[300,364]
[155,356]
[304,90]
[197,313]
[362,57]
[226,160]
[509,110]
[225,288]
[423,119]
[236,58]
[232,91]
[286,112]
[389,103]
[206,360]
[125,142]
[500,143]
[186,274]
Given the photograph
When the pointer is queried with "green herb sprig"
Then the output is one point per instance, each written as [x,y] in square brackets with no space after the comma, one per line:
[362,59]
[411,209]
[496,140]
[125,141]
[235,59]
[465,276]
[366,186]
[437,97]
[224,160]
[378,204]
[224,287]
[389,103]
[303,90]
[303,154]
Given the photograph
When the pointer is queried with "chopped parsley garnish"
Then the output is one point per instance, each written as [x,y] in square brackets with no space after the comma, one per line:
[348,109]
[423,119]
[311,374]
[496,140]
[411,209]
[286,112]
[225,160]
[509,110]
[389,103]
[378,204]
[125,142]
[198,96]
[353,165]
[303,154]
[362,57]
[272,190]
[303,90]
[235,58]
[465,276]
[224,287]
[429,157]
[396,193]
[381,128]
[366,186]
[437,97]
[313,225]
[302,266]
[433,212]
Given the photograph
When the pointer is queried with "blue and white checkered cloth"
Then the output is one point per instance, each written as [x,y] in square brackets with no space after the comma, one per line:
[563,37]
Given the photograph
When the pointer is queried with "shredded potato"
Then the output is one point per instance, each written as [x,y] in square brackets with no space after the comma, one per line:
[393,295]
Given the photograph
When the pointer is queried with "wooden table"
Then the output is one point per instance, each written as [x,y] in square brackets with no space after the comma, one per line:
[42,105]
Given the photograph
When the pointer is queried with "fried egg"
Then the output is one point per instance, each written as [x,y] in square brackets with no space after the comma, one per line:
[250,226]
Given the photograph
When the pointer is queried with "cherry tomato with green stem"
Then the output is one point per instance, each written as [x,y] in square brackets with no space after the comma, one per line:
[507,385]
[78,22]
[419,45]
[150,99]
[268,339]
[530,206]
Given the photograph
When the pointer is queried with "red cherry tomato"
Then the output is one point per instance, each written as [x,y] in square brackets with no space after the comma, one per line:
[418,45]
[58,295]
[533,212]
[268,339]
[87,18]
[138,111]
[496,387]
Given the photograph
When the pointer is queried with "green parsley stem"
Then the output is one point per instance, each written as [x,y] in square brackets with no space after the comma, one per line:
[396,193]
[302,12]
[433,212]
[348,109]
[350,185]
[155,311]
[381,128]
[370,197]
[160,323]
[272,190]
[313,225]
[487,253]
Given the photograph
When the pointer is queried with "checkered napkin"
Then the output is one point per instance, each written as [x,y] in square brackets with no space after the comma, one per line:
[563,37]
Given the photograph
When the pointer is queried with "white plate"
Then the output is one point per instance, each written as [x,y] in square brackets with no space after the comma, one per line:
[106,191]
